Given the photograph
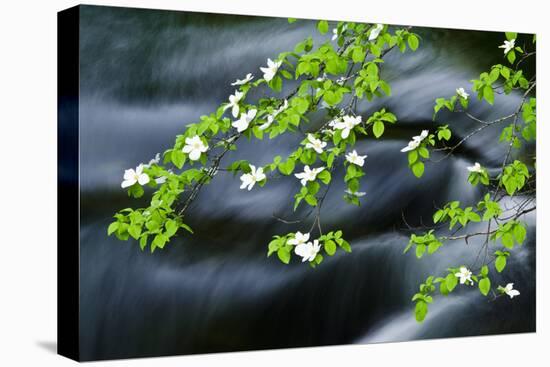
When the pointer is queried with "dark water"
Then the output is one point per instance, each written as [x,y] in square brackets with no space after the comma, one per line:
[145,75]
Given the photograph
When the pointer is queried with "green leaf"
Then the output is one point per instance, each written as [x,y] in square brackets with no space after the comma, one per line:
[159,241]
[474,217]
[178,158]
[375,50]
[112,228]
[443,288]
[135,231]
[519,233]
[301,105]
[451,280]
[445,134]
[420,311]
[284,255]
[505,72]
[412,40]
[438,215]
[332,98]
[488,94]
[507,240]
[385,87]
[485,286]
[408,247]
[420,250]
[345,246]
[484,270]
[358,55]
[286,168]
[259,134]
[494,74]
[324,177]
[152,225]
[510,185]
[322,26]
[330,160]
[136,191]
[143,242]
[378,128]
[312,188]
[424,153]
[511,56]
[330,247]
[186,227]
[412,156]
[171,228]
[418,169]
[511,35]
[433,247]
[276,84]
[273,246]
[500,263]
[318,259]
[311,200]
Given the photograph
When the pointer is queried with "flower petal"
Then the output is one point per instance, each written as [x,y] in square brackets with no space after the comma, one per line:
[127,183]
[143,179]
[195,154]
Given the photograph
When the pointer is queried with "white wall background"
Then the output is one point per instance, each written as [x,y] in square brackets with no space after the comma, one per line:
[28,182]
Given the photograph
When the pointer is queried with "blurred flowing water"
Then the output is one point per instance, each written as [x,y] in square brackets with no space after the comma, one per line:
[146,74]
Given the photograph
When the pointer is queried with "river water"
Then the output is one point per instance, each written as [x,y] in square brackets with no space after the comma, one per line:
[146,74]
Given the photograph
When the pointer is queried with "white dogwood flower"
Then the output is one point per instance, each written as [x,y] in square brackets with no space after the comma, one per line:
[508,46]
[308,174]
[465,276]
[355,193]
[347,124]
[155,160]
[423,135]
[283,107]
[510,291]
[271,118]
[375,32]
[299,239]
[462,93]
[265,125]
[308,250]
[315,144]
[271,69]
[162,179]
[355,158]
[335,33]
[194,146]
[415,142]
[234,103]
[250,179]
[412,145]
[246,79]
[132,176]
[341,80]
[242,123]
[475,168]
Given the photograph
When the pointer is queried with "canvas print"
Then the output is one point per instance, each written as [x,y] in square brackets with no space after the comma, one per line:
[236,183]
